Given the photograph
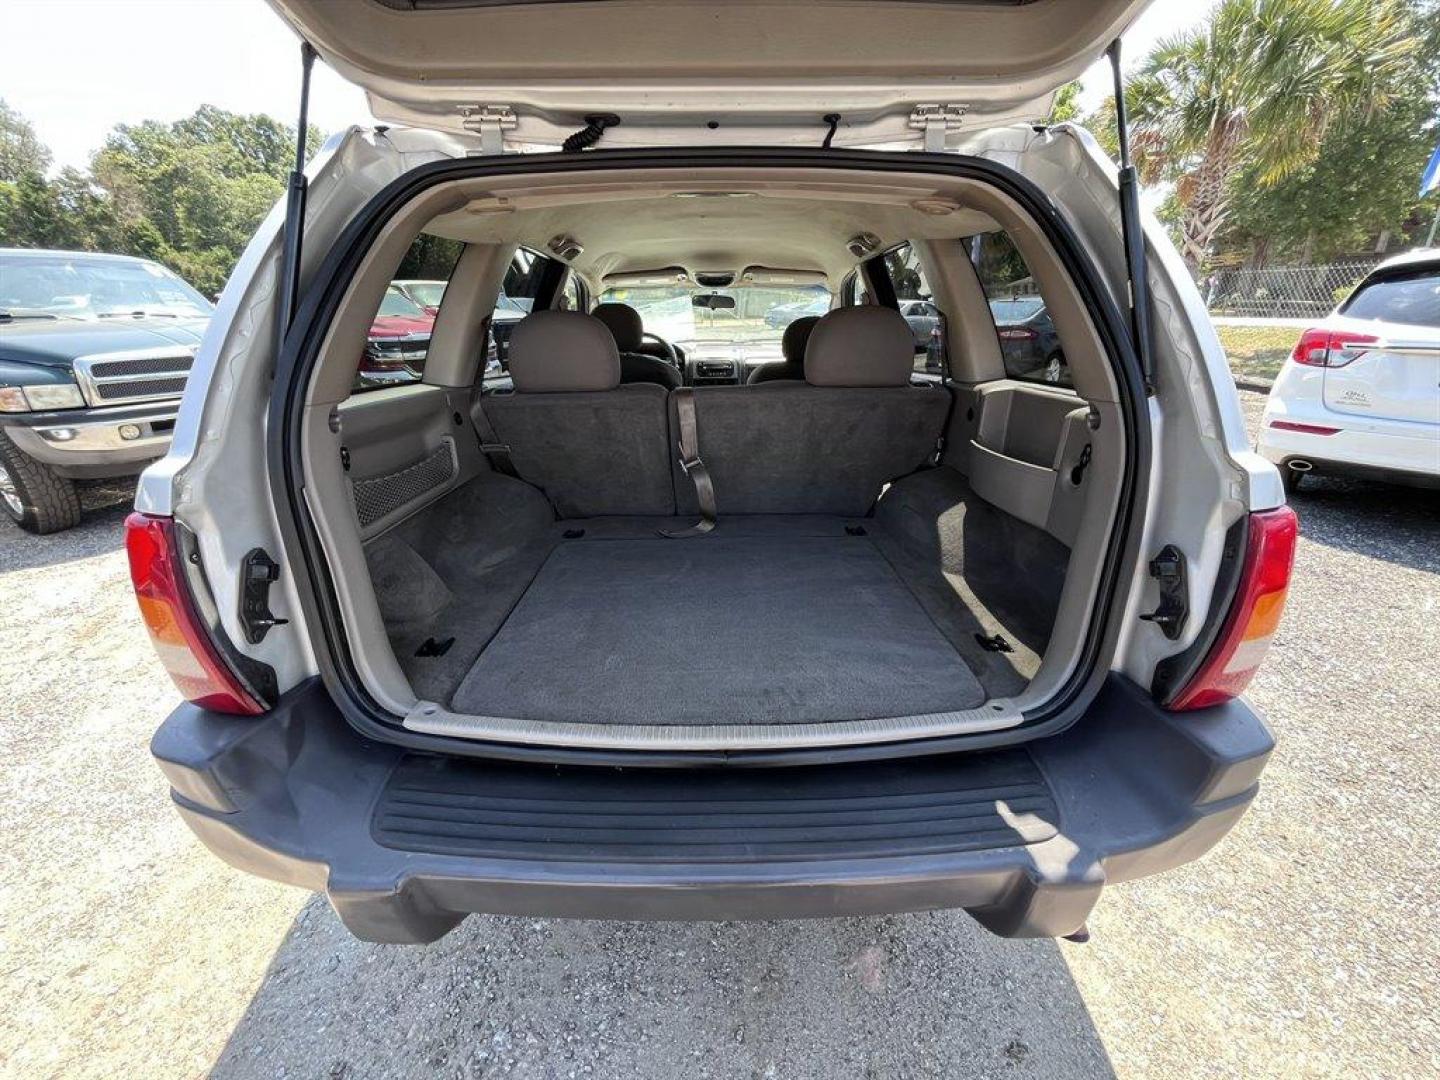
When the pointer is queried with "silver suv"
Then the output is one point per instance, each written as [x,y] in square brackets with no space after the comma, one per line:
[610,629]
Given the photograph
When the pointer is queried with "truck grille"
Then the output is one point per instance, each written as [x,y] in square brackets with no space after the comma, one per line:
[146,375]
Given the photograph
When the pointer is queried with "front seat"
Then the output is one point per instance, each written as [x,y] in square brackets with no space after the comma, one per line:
[792,347]
[636,366]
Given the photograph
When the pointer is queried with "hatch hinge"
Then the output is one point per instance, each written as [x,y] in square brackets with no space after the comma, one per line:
[1168,568]
[490,122]
[937,121]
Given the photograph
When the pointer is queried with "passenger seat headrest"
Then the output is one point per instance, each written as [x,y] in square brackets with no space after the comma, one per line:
[797,336]
[860,346]
[624,323]
[559,351]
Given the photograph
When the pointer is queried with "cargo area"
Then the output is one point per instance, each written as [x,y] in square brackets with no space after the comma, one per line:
[933,604]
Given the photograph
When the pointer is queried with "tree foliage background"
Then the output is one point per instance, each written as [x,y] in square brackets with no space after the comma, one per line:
[189,194]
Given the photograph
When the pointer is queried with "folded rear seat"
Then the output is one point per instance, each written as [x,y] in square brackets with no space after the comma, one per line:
[829,444]
[593,446]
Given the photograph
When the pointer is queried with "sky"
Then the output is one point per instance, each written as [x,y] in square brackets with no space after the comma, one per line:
[76,68]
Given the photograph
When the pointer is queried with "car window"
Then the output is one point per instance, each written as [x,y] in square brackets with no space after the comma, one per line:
[745,324]
[1411,298]
[518,291]
[399,337]
[86,287]
[1028,341]
[912,294]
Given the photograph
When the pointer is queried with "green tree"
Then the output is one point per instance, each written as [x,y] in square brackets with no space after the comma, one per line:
[1066,106]
[1254,91]
[1361,184]
[21,151]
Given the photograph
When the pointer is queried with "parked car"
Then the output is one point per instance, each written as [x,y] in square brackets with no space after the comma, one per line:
[542,642]
[1028,339]
[1360,393]
[782,315]
[427,294]
[95,351]
[398,341]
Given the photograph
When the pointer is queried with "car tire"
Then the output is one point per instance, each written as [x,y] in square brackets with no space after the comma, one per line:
[33,495]
[1054,369]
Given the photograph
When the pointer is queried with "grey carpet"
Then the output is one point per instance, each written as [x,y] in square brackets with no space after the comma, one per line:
[717,630]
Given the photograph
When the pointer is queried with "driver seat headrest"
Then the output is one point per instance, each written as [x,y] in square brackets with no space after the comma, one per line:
[562,351]
[624,323]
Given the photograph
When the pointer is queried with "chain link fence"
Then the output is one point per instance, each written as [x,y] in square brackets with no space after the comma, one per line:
[1259,313]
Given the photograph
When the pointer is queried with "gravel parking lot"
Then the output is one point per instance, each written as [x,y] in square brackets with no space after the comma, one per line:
[1303,946]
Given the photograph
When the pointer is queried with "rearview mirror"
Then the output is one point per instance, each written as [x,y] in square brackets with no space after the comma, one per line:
[713,301]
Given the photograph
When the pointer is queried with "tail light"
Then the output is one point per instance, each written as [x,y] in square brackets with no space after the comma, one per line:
[179,634]
[1330,348]
[1018,333]
[1244,639]
[1307,429]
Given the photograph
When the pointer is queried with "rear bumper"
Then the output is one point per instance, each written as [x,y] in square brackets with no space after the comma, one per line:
[1397,451]
[93,443]
[1025,843]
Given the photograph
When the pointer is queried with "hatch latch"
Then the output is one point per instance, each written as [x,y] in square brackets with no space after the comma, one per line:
[258,571]
[1168,568]
[936,121]
[490,122]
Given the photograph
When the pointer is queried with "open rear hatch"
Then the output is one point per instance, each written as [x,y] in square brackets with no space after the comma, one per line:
[687,72]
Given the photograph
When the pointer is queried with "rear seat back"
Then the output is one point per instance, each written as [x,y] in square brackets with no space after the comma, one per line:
[828,445]
[593,446]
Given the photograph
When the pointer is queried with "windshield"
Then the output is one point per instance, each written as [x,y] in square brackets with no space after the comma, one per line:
[1017,310]
[397,303]
[751,330]
[426,293]
[89,288]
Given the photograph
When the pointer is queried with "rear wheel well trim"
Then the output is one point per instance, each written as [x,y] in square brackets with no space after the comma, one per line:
[316,591]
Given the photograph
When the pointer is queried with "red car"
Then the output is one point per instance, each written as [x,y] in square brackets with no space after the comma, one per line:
[398,341]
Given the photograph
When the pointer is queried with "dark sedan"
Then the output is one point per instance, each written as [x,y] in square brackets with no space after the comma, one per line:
[1028,340]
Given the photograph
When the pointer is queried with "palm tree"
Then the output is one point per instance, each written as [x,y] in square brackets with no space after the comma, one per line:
[1254,88]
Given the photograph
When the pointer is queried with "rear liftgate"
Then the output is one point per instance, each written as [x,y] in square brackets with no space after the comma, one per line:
[294,358]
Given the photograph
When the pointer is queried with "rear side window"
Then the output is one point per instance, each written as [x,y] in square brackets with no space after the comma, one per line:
[399,337]
[1027,336]
[518,291]
[916,303]
[1411,298]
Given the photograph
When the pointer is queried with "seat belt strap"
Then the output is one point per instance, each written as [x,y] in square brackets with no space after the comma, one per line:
[693,467]
[495,451]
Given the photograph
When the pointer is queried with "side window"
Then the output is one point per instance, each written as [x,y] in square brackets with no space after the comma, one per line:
[516,300]
[913,293]
[399,336]
[572,297]
[1022,323]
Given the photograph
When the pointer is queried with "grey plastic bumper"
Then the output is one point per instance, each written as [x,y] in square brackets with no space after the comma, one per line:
[296,795]
[93,443]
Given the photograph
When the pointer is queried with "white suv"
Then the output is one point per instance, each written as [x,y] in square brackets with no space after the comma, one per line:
[611,631]
[1360,395]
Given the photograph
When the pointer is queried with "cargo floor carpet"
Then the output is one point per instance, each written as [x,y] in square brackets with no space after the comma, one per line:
[717,630]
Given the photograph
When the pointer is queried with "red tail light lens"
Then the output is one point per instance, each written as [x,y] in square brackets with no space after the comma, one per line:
[179,635]
[1330,348]
[1254,614]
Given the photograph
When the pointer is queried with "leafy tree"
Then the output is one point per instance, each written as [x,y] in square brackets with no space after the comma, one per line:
[1066,106]
[1361,184]
[1254,91]
[21,151]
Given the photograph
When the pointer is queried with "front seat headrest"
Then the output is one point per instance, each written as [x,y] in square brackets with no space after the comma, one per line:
[860,346]
[624,323]
[797,336]
[558,351]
